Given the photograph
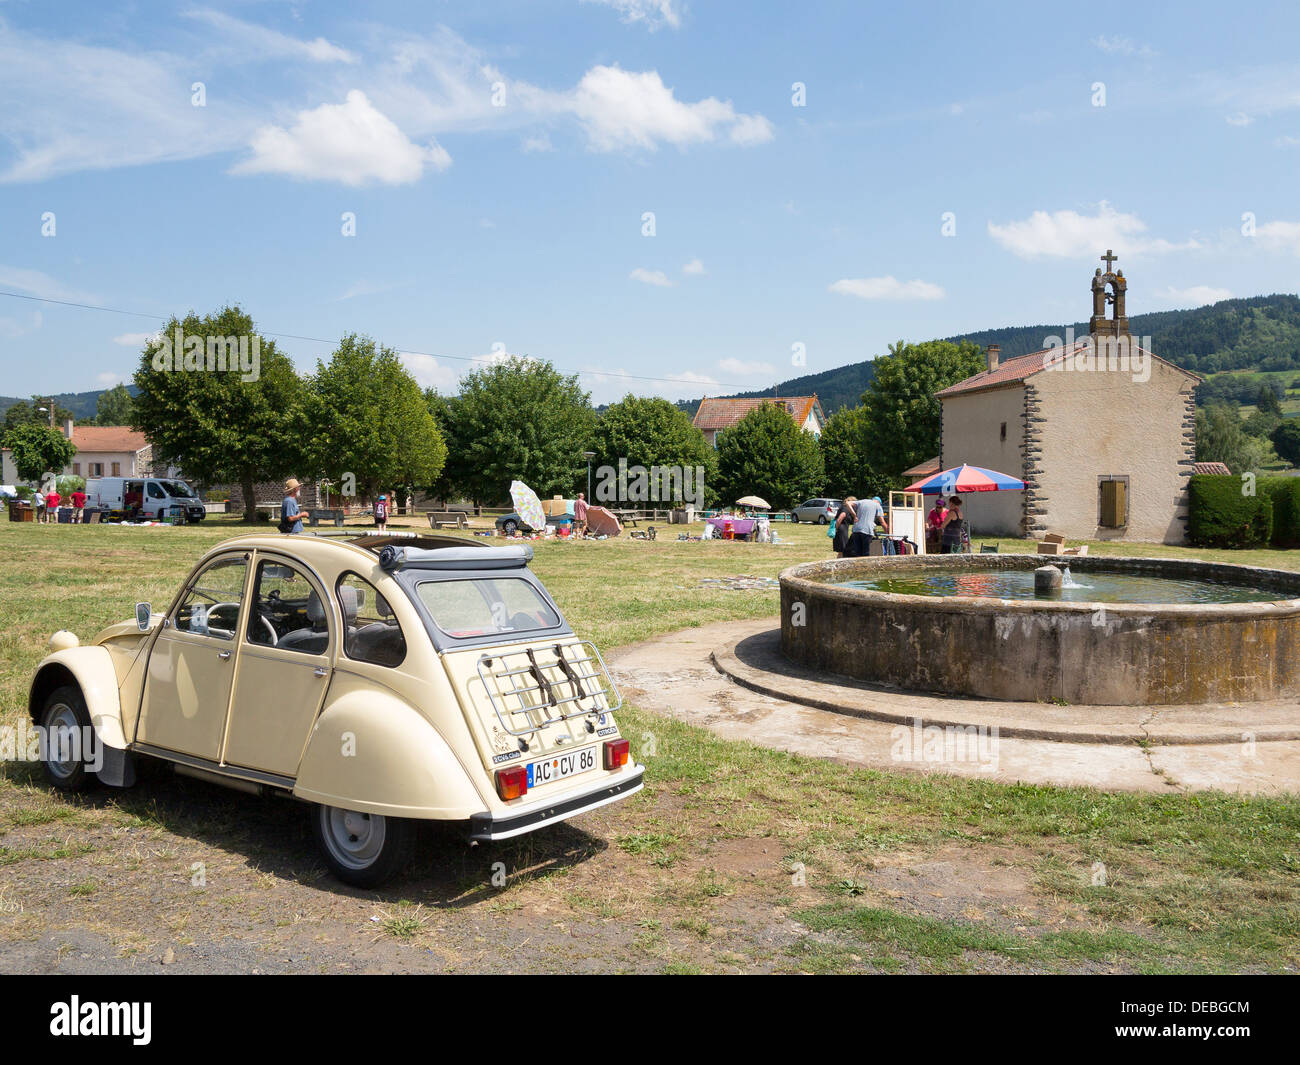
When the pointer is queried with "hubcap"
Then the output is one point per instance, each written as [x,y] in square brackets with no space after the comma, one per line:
[354,839]
[60,739]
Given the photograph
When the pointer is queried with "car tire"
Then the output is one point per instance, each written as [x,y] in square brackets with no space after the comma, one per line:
[66,708]
[510,527]
[823,520]
[361,849]
[794,517]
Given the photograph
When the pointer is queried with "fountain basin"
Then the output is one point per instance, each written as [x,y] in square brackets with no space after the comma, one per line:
[1045,649]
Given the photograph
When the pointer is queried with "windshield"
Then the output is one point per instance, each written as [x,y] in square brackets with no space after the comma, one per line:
[482,606]
[177,489]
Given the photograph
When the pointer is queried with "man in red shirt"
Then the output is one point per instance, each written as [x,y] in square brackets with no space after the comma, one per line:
[52,501]
[78,505]
[580,515]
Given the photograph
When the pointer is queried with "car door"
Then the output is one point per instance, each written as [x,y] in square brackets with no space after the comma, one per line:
[286,653]
[191,667]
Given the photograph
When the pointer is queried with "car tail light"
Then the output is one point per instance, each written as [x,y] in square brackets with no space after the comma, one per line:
[615,753]
[512,782]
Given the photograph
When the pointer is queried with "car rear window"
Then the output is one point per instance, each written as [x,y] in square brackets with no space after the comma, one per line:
[486,606]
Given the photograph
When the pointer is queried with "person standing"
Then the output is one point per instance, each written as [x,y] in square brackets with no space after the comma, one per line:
[78,505]
[870,514]
[844,519]
[38,501]
[934,523]
[291,514]
[580,516]
[52,501]
[954,527]
[381,513]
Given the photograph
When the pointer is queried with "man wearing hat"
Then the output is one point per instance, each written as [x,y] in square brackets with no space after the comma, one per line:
[291,515]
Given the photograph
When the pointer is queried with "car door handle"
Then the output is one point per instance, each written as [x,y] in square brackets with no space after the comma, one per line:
[223,655]
[320,671]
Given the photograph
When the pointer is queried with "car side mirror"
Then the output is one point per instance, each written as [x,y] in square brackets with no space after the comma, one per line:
[142,614]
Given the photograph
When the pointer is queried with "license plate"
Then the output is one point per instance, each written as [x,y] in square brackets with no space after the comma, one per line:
[559,766]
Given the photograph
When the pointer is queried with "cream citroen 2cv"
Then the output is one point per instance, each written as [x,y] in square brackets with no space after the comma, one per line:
[387,680]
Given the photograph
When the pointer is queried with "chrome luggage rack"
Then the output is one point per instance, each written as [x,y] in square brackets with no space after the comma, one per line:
[529,690]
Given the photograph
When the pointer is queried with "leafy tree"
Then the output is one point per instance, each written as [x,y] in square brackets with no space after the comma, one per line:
[519,419]
[1221,438]
[846,447]
[114,407]
[902,413]
[367,416]
[649,431]
[767,455]
[38,450]
[213,424]
[1286,440]
[25,413]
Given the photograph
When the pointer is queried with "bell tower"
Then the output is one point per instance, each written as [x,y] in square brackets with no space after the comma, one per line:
[1108,288]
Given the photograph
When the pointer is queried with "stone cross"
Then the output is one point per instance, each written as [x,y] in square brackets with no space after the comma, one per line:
[1109,259]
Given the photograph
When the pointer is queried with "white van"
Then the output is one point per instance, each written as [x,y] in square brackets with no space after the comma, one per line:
[144,498]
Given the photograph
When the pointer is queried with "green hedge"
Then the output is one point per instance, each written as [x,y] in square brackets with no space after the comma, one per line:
[1221,515]
[1284,492]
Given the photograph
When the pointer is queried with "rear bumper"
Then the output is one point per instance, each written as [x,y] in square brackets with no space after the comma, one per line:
[487,826]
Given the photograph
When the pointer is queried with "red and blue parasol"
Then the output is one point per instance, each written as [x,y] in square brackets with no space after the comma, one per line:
[963,479]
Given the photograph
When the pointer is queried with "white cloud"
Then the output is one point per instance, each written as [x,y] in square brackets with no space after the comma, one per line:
[35,283]
[1123,46]
[654,13]
[1194,296]
[351,142]
[887,288]
[740,368]
[368,288]
[693,267]
[1286,141]
[1239,118]
[1279,236]
[619,109]
[541,143]
[651,277]
[1068,234]
[261,42]
[109,379]
[134,340]
[430,373]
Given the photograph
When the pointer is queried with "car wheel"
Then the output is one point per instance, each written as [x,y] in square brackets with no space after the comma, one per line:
[510,527]
[363,849]
[823,520]
[794,517]
[65,759]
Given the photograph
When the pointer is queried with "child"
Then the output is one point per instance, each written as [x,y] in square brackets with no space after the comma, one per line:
[381,514]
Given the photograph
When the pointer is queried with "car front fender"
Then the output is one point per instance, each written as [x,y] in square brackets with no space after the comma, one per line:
[91,670]
[374,753]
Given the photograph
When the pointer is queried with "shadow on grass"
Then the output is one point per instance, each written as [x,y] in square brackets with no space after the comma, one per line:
[274,835]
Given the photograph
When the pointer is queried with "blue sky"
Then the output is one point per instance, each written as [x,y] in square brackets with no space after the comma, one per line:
[499,158]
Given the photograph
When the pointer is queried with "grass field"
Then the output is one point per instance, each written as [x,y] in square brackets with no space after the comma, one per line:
[734,858]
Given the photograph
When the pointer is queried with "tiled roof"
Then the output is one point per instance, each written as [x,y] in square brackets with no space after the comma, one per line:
[107,438]
[1014,371]
[922,469]
[1214,469]
[715,414]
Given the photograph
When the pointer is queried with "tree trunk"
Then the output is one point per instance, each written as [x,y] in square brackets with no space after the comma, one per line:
[250,500]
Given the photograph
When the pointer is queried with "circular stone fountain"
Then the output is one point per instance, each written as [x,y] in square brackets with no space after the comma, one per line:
[1120,631]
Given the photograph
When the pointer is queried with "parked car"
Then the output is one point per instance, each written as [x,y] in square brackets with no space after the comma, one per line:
[512,523]
[147,498]
[386,679]
[821,511]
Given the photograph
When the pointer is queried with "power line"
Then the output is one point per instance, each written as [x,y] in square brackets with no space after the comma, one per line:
[321,340]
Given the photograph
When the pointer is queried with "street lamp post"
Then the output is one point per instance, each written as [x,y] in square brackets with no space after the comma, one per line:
[588,455]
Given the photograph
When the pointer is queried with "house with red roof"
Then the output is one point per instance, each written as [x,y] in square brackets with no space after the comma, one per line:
[102,451]
[714,415]
[1099,428]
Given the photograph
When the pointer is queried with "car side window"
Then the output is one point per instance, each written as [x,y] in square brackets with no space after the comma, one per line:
[287,613]
[154,491]
[211,605]
[373,633]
